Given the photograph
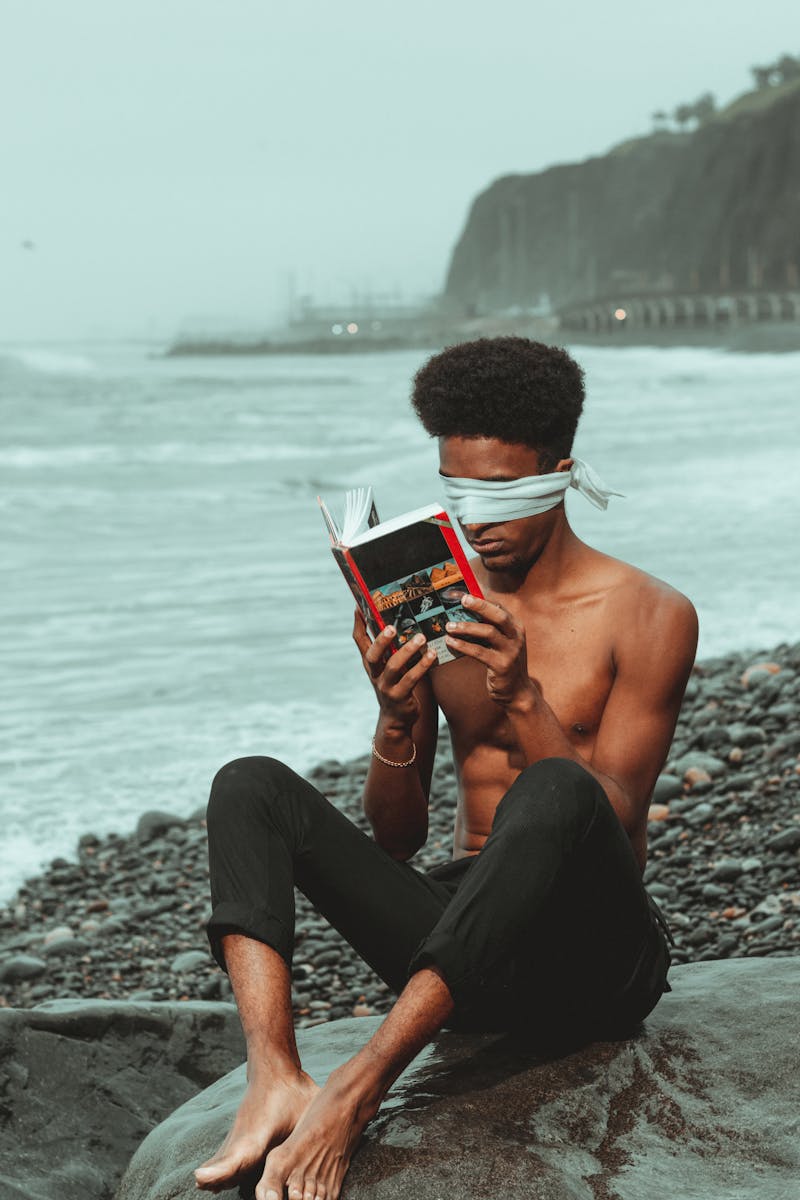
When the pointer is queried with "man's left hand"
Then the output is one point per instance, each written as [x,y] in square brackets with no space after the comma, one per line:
[497,640]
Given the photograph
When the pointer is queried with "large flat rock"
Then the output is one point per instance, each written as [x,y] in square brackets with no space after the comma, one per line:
[83,1082]
[703,1102]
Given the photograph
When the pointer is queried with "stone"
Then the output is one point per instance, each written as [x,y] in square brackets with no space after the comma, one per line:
[189,960]
[63,947]
[787,839]
[83,1081]
[758,672]
[21,966]
[658,812]
[701,1100]
[55,935]
[698,759]
[666,789]
[153,823]
[696,775]
[726,869]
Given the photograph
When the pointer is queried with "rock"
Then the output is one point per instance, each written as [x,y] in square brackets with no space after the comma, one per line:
[700,1100]
[21,966]
[666,789]
[658,812]
[695,776]
[65,946]
[87,1080]
[153,823]
[55,935]
[758,672]
[698,760]
[188,961]
[787,839]
[727,869]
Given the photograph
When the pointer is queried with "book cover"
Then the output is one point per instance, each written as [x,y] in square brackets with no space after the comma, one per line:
[410,572]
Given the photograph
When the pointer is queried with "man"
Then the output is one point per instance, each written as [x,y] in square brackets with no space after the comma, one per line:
[560,710]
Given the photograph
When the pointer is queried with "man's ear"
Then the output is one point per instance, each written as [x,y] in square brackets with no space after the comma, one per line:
[564,464]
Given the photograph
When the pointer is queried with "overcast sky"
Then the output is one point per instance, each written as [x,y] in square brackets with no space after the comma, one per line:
[166,161]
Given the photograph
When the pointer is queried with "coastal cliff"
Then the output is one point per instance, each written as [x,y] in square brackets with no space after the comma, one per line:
[716,209]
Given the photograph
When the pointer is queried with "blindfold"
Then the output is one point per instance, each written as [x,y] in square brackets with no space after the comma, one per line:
[489,502]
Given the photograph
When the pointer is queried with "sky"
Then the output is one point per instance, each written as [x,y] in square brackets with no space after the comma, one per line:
[191,164]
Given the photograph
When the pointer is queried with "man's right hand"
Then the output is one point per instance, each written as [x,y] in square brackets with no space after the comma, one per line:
[394,676]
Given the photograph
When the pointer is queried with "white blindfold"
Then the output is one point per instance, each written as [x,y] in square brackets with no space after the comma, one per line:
[489,501]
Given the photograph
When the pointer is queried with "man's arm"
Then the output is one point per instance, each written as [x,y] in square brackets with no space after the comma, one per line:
[396,797]
[653,659]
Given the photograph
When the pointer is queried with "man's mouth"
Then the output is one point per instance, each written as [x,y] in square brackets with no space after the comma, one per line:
[488,547]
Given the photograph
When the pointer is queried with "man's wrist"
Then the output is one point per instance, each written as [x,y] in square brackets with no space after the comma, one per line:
[525,702]
[393,732]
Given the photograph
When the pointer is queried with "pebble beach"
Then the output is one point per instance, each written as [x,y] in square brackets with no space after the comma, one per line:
[124,917]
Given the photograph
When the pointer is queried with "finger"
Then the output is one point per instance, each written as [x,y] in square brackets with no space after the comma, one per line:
[476,650]
[474,629]
[360,635]
[487,610]
[398,665]
[405,686]
[376,653]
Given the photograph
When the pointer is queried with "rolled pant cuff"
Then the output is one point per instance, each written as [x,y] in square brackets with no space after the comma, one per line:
[442,951]
[232,917]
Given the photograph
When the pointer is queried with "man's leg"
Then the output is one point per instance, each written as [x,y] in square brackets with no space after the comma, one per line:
[268,829]
[278,1090]
[555,843]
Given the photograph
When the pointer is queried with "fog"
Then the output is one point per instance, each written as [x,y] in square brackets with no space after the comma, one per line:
[200,162]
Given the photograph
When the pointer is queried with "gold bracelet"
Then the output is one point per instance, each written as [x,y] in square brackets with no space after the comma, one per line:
[388,761]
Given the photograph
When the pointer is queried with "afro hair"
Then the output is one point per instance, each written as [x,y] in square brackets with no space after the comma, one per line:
[508,388]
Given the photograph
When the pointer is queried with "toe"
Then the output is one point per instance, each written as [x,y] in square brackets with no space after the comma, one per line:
[270,1186]
[309,1188]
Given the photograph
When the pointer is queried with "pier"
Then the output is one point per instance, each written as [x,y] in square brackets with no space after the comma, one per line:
[673,311]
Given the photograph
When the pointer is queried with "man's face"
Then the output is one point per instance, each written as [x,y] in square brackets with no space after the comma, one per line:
[510,547]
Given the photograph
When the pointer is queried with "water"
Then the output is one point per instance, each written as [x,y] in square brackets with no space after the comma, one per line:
[169,601]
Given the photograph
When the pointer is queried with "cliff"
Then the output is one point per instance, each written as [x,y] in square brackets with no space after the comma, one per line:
[715,209]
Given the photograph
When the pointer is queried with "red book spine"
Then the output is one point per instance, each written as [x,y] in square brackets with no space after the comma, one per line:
[367,594]
[457,550]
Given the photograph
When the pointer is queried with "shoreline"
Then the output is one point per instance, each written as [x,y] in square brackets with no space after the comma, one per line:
[125,918]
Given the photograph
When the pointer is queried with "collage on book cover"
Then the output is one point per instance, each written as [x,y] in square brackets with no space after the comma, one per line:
[423,602]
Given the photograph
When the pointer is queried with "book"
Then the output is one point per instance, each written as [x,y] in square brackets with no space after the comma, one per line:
[410,572]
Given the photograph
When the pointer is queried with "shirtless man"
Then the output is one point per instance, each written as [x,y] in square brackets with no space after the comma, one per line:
[560,709]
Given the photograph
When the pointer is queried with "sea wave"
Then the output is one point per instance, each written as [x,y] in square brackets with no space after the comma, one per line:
[45,362]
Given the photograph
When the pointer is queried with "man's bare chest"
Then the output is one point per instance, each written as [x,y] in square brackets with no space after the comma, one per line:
[570,660]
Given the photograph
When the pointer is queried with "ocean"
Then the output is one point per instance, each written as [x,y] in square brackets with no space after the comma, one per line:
[169,600]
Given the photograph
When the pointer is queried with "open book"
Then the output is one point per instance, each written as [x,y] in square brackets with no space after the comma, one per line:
[410,572]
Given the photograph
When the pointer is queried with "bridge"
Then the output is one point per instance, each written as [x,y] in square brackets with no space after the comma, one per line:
[669,310]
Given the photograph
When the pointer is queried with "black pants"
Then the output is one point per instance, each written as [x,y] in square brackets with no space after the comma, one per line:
[547,928]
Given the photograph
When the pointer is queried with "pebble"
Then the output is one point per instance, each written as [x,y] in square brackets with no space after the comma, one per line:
[666,789]
[788,839]
[64,946]
[21,966]
[726,869]
[139,901]
[188,961]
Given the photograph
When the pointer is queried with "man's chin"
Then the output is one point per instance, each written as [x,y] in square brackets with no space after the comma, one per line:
[504,563]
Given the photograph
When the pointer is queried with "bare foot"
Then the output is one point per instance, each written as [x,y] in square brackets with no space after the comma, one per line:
[267,1114]
[313,1160]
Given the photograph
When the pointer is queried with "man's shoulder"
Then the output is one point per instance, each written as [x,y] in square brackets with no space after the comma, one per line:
[646,614]
[634,588]
[655,625]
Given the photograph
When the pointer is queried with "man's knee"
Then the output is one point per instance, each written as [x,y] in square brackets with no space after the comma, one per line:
[245,783]
[554,792]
